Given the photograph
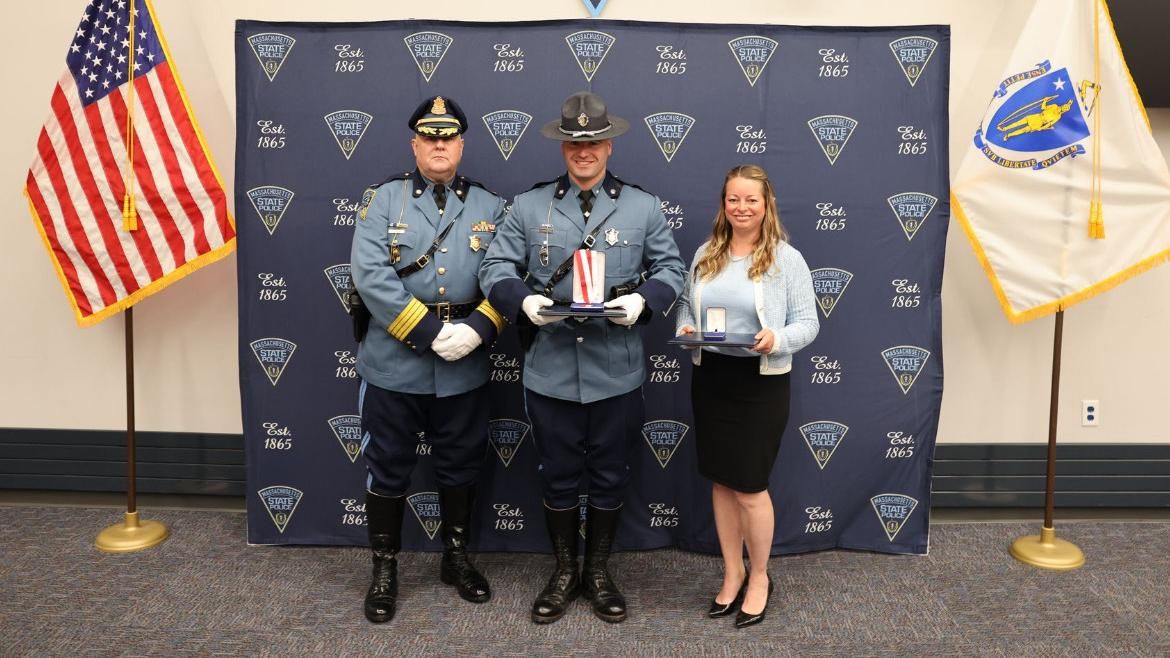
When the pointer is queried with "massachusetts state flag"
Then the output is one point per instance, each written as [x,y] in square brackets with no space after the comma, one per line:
[1063,191]
[76,186]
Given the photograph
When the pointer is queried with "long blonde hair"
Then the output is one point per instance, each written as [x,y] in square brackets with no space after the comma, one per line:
[718,252]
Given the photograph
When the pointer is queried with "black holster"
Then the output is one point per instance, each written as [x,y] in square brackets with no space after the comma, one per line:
[358,313]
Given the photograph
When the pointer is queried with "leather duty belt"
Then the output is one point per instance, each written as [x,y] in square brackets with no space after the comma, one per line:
[447,311]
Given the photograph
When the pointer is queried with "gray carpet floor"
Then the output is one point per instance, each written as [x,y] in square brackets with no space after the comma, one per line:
[204,592]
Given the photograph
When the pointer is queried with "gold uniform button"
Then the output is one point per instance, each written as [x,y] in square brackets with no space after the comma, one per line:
[442,270]
[442,290]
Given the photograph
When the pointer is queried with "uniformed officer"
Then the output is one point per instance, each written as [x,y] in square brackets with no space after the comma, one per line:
[583,379]
[417,248]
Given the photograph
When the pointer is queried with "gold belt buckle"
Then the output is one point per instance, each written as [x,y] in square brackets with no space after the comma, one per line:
[443,311]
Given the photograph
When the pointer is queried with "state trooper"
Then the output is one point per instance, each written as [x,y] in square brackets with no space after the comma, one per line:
[583,377]
[417,248]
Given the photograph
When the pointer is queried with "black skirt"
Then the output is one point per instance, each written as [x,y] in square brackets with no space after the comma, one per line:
[739,418]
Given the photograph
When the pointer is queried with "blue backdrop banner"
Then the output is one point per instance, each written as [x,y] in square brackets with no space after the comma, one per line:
[851,125]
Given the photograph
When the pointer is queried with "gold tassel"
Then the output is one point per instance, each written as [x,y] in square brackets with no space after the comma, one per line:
[1096,216]
[1096,221]
[129,213]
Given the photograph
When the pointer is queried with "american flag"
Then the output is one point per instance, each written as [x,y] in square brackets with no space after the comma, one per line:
[76,184]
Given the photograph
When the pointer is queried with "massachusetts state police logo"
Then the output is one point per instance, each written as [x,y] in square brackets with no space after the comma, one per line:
[913,54]
[829,283]
[906,363]
[270,202]
[753,54]
[339,278]
[506,435]
[832,132]
[506,128]
[348,127]
[893,510]
[589,48]
[669,130]
[912,209]
[281,502]
[1037,124]
[427,49]
[273,355]
[425,505]
[271,49]
[823,437]
[664,438]
[348,430]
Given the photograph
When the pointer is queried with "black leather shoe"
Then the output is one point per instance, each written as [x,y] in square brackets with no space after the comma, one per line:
[384,514]
[455,568]
[743,619]
[563,586]
[382,597]
[723,609]
[608,603]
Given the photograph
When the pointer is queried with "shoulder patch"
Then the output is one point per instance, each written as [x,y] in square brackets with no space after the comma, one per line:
[367,199]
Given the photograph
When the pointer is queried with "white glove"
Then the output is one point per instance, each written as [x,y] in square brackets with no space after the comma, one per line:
[534,303]
[458,342]
[632,304]
[446,332]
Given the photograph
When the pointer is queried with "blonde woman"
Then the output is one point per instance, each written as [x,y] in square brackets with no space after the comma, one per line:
[740,394]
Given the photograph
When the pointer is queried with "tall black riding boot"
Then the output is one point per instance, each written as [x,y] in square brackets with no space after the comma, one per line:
[608,602]
[384,518]
[456,569]
[564,585]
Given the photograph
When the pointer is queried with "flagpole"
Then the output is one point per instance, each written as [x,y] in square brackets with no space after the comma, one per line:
[132,534]
[1046,550]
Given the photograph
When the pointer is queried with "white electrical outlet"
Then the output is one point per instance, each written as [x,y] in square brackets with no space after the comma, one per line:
[1090,413]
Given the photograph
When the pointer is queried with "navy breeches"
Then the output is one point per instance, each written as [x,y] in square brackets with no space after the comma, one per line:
[593,440]
[455,427]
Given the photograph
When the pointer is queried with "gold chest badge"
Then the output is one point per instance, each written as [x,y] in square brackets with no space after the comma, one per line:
[475,242]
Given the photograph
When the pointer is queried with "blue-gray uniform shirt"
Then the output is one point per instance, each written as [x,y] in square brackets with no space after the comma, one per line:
[596,359]
[399,218]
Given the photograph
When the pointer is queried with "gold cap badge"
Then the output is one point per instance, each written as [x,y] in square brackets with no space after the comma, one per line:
[439,106]
[583,119]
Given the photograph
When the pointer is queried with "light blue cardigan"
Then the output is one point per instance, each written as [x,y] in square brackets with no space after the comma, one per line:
[785,303]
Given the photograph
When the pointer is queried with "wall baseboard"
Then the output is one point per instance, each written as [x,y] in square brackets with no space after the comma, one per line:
[965,475]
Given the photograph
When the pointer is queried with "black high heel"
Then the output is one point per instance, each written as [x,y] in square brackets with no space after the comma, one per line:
[723,609]
[743,620]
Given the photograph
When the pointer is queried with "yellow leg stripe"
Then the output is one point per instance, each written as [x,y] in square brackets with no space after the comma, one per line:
[492,314]
[408,319]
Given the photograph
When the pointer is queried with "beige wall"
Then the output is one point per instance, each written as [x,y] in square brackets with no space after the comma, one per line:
[57,375]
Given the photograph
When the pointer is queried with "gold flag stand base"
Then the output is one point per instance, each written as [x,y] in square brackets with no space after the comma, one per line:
[1048,552]
[132,535]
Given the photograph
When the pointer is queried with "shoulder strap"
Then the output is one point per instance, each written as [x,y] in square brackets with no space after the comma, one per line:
[422,261]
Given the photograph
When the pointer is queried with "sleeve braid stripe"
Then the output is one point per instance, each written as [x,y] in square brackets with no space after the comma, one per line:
[492,314]
[408,319]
